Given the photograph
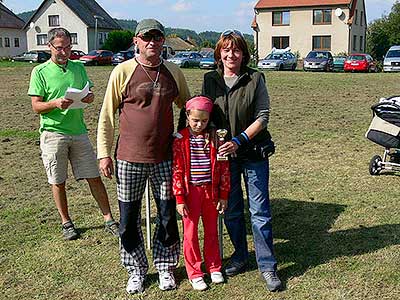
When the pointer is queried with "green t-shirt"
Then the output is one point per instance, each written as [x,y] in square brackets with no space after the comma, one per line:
[50,81]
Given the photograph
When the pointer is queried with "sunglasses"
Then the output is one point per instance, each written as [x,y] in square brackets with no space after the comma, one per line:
[59,49]
[148,37]
[230,32]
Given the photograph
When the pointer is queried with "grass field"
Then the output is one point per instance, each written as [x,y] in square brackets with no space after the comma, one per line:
[336,228]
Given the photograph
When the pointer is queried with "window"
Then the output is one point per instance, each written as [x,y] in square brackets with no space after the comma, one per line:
[322,16]
[361,43]
[100,38]
[74,38]
[356,17]
[54,20]
[280,18]
[354,42]
[1,42]
[16,42]
[361,18]
[280,42]
[321,42]
[7,42]
[41,39]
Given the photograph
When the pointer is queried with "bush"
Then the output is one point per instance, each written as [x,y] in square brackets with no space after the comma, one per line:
[118,40]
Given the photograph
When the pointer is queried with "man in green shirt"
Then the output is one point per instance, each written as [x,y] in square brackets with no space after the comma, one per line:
[63,131]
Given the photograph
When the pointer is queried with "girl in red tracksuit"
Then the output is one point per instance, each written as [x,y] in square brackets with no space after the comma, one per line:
[201,186]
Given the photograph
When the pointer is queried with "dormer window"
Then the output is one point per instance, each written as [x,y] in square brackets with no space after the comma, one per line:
[281,18]
[54,21]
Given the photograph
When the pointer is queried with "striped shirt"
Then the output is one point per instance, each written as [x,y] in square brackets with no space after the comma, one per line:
[200,162]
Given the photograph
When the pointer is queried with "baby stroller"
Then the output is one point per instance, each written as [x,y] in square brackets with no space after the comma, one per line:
[385,131]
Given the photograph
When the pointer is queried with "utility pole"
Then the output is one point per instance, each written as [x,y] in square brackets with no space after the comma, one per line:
[96,17]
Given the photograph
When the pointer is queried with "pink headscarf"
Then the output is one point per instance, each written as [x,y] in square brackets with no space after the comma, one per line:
[200,103]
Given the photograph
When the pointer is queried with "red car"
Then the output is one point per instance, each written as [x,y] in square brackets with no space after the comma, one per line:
[76,54]
[97,57]
[360,62]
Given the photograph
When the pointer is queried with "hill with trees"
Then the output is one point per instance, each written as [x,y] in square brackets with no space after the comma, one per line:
[25,16]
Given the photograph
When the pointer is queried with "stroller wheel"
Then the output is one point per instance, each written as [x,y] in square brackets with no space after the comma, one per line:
[375,165]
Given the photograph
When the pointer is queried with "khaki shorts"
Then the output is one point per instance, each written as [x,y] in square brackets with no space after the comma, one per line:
[58,148]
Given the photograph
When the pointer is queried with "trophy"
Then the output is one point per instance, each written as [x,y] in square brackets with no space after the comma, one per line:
[221,133]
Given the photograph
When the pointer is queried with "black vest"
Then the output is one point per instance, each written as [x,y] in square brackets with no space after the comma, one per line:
[234,109]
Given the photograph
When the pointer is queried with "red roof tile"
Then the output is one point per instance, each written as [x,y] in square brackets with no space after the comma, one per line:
[299,3]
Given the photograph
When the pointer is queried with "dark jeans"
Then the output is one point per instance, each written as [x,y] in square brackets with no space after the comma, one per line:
[256,177]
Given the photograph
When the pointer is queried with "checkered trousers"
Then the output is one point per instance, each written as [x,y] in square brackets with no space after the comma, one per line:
[131,183]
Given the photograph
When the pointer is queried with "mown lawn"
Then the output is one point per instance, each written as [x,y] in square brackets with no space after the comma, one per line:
[336,228]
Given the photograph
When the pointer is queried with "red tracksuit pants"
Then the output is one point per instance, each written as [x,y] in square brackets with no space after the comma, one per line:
[199,203]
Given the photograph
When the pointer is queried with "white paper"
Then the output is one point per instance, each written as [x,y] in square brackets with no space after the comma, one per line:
[77,95]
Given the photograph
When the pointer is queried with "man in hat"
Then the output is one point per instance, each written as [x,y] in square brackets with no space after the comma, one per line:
[143,90]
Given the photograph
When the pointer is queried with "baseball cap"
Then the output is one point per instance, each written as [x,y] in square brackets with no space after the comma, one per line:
[147,25]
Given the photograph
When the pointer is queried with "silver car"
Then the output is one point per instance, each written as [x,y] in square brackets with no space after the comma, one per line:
[278,60]
[391,63]
[186,59]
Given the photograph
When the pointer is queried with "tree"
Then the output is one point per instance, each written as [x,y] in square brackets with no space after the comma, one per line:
[207,44]
[118,40]
[377,39]
[384,33]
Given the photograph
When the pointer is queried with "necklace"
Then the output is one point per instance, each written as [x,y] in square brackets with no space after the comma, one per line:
[155,82]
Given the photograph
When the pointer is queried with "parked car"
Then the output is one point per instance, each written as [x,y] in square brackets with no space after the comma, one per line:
[208,61]
[37,56]
[360,62]
[122,56]
[318,61]
[391,62]
[338,63]
[76,54]
[97,57]
[279,59]
[167,52]
[186,59]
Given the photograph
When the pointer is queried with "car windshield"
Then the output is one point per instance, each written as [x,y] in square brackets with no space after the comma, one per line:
[393,53]
[317,55]
[182,55]
[274,56]
[339,59]
[31,54]
[210,55]
[356,57]
[93,53]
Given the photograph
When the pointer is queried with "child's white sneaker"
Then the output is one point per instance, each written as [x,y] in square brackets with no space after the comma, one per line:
[198,284]
[216,277]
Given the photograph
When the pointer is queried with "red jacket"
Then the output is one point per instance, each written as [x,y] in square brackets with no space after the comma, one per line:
[220,176]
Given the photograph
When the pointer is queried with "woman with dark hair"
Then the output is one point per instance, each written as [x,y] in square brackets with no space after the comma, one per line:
[241,96]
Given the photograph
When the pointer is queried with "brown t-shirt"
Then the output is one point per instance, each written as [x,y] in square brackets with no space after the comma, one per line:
[146,116]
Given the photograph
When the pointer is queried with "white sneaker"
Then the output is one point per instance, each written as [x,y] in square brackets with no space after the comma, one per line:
[216,277]
[198,284]
[135,284]
[167,281]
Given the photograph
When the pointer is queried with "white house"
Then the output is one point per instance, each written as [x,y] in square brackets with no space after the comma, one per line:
[304,25]
[12,36]
[88,23]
